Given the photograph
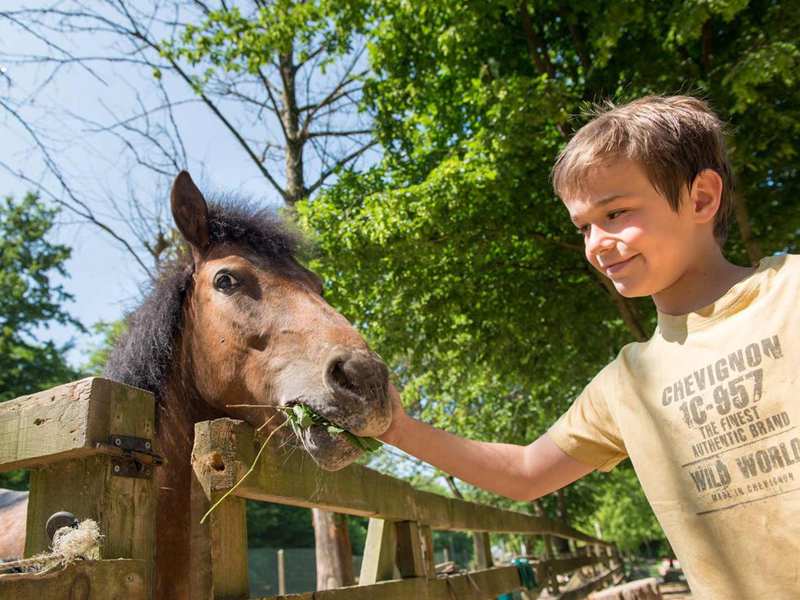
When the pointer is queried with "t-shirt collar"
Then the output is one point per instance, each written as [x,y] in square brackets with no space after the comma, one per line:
[738,297]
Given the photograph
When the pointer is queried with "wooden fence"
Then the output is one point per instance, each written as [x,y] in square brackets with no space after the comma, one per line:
[67,436]
[70,437]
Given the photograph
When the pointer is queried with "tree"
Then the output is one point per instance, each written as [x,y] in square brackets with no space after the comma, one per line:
[622,513]
[455,256]
[30,302]
[109,333]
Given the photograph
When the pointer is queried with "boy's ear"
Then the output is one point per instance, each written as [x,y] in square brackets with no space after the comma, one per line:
[190,212]
[705,195]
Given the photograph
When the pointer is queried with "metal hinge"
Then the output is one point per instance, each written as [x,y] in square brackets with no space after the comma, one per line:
[132,456]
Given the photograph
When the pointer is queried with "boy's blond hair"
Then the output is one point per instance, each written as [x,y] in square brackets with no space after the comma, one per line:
[673,138]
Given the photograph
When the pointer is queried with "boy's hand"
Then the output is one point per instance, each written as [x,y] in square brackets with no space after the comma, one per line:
[399,416]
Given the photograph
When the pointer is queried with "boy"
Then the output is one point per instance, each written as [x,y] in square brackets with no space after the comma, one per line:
[707,409]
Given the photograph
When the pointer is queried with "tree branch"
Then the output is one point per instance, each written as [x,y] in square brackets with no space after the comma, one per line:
[339,163]
[137,34]
[541,60]
[326,133]
[623,306]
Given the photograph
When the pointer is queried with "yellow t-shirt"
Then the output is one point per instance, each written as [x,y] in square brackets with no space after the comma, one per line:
[708,412]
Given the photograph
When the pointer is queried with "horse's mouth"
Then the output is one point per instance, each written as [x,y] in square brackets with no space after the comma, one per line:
[330,451]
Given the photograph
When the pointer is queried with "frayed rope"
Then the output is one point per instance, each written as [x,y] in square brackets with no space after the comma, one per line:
[69,545]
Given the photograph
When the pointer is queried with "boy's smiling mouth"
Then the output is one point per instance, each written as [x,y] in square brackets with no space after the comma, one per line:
[618,266]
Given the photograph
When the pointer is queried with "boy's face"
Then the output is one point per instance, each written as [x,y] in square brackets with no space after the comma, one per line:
[630,232]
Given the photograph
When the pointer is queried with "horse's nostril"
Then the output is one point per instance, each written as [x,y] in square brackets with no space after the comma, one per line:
[357,374]
[340,378]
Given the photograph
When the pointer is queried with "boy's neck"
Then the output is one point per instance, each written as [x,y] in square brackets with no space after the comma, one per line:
[706,280]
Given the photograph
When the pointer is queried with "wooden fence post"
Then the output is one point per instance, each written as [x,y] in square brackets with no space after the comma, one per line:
[219,546]
[66,436]
[89,486]
[483,550]
[380,550]
[410,561]
[281,572]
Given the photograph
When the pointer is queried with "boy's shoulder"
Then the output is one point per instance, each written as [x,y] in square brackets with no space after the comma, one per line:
[781,270]
[779,262]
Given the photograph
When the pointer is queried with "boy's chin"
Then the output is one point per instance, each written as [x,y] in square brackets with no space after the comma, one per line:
[630,289]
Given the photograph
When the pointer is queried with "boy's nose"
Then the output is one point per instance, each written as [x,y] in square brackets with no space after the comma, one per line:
[598,241]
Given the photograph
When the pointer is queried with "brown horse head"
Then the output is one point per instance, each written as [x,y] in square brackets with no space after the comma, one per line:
[254,331]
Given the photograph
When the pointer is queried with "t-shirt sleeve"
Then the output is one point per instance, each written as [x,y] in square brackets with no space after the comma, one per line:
[588,431]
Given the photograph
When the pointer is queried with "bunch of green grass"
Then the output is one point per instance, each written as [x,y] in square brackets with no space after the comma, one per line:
[302,417]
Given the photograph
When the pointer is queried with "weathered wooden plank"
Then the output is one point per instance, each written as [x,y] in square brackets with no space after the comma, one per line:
[641,589]
[219,553]
[85,484]
[593,584]
[478,585]
[410,561]
[483,550]
[66,421]
[380,550]
[556,566]
[87,580]
[294,479]
[426,537]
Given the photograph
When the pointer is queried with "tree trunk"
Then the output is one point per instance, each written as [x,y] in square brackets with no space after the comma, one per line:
[477,539]
[562,545]
[295,181]
[624,306]
[754,252]
[333,551]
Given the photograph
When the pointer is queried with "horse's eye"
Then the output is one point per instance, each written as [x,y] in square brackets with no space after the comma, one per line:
[225,282]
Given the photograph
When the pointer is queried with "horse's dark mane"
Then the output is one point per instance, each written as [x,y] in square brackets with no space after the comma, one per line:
[143,354]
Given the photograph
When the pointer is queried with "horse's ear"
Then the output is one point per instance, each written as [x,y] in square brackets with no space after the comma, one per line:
[190,211]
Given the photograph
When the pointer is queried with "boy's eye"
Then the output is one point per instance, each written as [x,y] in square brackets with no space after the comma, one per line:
[583,229]
[616,213]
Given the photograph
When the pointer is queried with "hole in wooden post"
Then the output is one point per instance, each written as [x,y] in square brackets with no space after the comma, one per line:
[216,462]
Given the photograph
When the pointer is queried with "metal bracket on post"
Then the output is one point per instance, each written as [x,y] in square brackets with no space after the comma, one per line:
[131,444]
[132,456]
[124,466]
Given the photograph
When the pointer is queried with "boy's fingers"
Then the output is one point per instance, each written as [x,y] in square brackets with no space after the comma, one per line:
[389,436]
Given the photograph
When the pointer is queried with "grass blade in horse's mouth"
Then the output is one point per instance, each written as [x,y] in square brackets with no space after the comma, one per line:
[301,416]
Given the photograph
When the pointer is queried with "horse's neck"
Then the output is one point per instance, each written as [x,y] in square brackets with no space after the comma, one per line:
[177,413]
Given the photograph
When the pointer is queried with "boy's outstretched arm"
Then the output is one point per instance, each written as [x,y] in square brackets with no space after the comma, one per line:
[519,472]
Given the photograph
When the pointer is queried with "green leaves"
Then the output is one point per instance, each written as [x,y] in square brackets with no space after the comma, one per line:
[301,416]
[30,300]
[234,41]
